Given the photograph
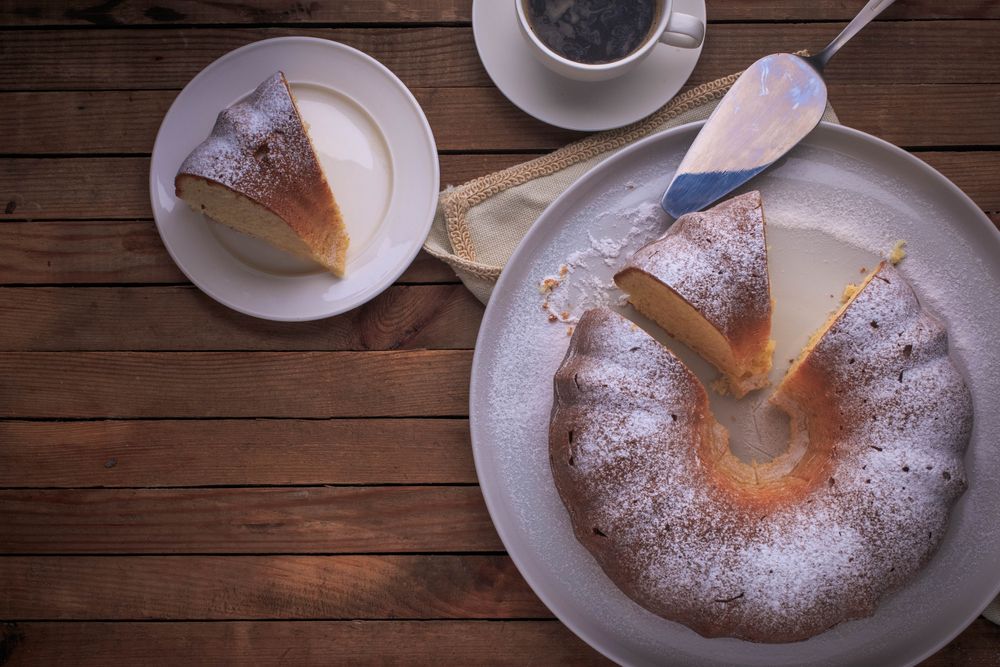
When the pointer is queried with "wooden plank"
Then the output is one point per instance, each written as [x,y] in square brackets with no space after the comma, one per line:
[267,452]
[48,189]
[841,10]
[157,58]
[96,187]
[120,252]
[84,252]
[98,59]
[303,643]
[348,642]
[264,587]
[922,115]
[306,643]
[192,12]
[118,187]
[976,174]
[166,12]
[126,122]
[268,520]
[977,646]
[234,384]
[182,318]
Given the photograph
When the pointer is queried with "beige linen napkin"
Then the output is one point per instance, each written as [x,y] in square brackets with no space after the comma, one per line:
[478,224]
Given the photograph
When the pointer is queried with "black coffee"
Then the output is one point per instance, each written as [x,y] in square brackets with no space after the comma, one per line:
[592,31]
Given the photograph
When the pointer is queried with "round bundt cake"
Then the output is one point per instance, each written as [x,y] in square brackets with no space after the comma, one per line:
[781,551]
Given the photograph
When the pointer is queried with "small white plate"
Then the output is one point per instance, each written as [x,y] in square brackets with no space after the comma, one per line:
[587,106]
[834,204]
[374,145]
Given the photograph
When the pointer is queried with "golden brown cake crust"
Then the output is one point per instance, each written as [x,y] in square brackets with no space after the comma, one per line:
[259,148]
[634,454]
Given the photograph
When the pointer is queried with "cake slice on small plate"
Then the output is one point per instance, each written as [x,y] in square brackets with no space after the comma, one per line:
[706,283]
[258,173]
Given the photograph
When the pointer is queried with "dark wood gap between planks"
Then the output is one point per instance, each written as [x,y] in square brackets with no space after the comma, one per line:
[281,619]
[209,486]
[347,25]
[140,285]
[169,13]
[262,554]
[528,153]
[73,420]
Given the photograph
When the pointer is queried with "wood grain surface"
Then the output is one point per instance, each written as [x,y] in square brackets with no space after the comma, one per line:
[264,587]
[117,121]
[272,520]
[444,57]
[222,452]
[180,483]
[93,188]
[196,385]
[160,12]
[404,317]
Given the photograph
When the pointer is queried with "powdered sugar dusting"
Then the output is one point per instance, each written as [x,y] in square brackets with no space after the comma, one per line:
[624,436]
[717,261]
[259,148]
[585,279]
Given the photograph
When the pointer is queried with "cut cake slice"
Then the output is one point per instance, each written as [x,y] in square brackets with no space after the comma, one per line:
[706,283]
[257,172]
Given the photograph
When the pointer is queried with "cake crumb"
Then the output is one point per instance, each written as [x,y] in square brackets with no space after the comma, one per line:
[864,269]
[569,331]
[897,254]
[849,291]
[548,284]
[563,270]
[564,315]
[721,386]
[553,318]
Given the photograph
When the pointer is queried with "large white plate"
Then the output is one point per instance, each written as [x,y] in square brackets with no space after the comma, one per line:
[833,205]
[374,144]
[577,105]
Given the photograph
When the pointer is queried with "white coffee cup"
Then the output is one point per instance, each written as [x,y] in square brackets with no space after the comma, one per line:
[672,28]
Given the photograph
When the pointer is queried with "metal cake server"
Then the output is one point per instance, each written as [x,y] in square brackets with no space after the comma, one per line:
[774,104]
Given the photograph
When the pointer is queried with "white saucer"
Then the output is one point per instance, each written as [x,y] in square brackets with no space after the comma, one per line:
[377,151]
[577,105]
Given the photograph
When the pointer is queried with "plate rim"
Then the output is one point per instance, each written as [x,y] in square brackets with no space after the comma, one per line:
[479,379]
[365,293]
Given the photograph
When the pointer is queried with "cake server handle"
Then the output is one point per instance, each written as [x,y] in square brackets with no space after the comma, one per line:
[864,17]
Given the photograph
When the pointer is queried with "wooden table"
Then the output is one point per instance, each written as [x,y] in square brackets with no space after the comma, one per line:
[181,483]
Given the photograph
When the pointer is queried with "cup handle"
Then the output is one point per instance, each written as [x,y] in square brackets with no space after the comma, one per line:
[683,30]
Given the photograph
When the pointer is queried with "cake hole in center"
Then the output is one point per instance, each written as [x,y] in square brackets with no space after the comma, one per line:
[758,431]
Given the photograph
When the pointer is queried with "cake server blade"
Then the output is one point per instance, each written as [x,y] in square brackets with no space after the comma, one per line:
[772,106]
